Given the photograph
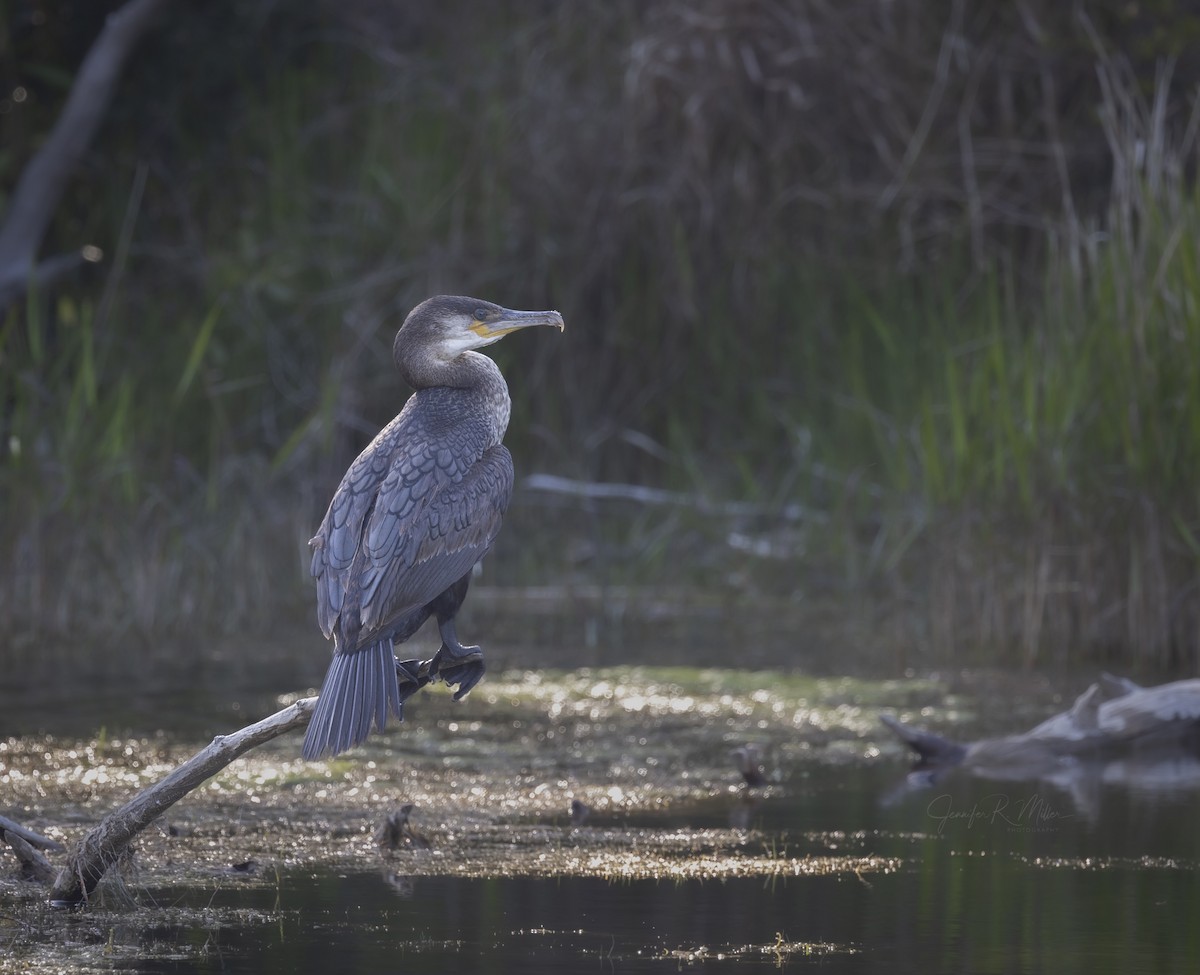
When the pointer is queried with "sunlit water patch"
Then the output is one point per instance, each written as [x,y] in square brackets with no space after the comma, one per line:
[275,866]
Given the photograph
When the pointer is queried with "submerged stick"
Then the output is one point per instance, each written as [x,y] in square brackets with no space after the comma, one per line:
[28,835]
[102,847]
[37,867]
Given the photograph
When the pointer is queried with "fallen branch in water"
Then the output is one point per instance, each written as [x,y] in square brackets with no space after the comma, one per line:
[28,835]
[103,846]
[36,866]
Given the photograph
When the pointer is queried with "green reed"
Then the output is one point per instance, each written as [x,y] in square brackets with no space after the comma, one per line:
[994,409]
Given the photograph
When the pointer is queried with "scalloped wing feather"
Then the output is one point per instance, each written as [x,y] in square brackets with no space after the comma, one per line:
[452,532]
[418,507]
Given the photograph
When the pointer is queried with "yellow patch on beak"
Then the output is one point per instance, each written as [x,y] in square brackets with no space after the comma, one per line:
[486,331]
[514,321]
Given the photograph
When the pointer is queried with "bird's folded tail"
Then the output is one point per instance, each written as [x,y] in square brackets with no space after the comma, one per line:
[360,688]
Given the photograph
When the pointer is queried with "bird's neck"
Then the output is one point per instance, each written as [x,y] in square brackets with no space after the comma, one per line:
[423,369]
[470,371]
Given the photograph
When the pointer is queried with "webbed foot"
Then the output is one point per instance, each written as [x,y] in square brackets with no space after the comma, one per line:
[465,669]
[411,675]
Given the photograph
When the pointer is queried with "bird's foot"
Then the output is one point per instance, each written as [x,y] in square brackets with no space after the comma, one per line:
[462,666]
[412,675]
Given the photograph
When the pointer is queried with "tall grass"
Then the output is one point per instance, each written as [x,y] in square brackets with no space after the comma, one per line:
[963,345]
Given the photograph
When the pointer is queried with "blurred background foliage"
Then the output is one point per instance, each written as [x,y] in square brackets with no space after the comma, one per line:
[895,302]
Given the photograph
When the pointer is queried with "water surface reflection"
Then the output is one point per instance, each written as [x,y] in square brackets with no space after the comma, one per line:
[998,891]
[831,864]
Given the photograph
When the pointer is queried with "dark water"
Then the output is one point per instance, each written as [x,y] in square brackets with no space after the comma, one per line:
[1008,877]
[1096,872]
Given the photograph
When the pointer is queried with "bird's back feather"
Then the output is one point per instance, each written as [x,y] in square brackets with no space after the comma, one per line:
[418,508]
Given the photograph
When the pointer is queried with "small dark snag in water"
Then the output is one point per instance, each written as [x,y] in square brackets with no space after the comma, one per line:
[749,763]
[580,812]
[396,831]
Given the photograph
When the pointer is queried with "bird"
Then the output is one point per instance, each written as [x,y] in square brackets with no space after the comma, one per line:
[415,512]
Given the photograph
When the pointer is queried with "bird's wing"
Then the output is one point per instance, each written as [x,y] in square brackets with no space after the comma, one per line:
[430,459]
[337,542]
[418,508]
[413,557]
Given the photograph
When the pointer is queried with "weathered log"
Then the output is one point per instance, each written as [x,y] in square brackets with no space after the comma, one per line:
[1114,717]
[103,846]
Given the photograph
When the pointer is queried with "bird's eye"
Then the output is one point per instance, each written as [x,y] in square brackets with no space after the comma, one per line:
[481,314]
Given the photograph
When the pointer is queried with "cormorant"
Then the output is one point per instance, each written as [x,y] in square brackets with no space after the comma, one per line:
[413,514]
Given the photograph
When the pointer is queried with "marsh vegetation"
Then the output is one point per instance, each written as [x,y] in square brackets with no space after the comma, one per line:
[913,285]
[881,358]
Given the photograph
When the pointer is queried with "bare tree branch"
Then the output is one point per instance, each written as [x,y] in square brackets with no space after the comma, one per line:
[103,846]
[45,176]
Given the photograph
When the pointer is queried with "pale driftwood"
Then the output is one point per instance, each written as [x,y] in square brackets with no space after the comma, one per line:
[640,494]
[37,867]
[28,835]
[1113,718]
[103,846]
[42,181]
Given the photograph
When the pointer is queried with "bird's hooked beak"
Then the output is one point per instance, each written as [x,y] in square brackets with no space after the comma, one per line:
[509,320]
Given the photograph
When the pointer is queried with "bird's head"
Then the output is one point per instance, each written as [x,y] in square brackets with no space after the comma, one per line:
[449,325]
